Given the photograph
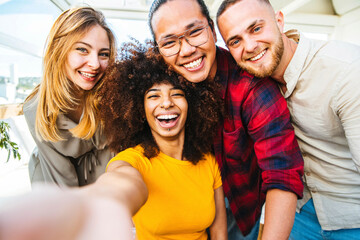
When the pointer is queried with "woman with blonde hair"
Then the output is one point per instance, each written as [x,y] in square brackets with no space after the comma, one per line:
[62,111]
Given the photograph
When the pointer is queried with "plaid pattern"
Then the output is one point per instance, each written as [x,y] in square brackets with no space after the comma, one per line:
[255,147]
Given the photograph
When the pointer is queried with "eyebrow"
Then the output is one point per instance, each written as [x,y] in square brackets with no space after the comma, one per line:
[102,49]
[152,90]
[187,27]
[251,25]
[157,89]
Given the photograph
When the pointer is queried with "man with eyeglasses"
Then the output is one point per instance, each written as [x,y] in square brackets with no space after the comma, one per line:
[255,147]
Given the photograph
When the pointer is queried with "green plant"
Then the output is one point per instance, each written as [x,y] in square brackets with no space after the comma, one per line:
[5,142]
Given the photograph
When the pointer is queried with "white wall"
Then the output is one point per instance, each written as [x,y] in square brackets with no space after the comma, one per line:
[348,28]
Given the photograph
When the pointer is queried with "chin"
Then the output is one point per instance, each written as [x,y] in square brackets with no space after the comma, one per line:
[257,72]
[195,79]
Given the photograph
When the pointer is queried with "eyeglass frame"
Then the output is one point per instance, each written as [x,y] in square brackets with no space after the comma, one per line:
[183,36]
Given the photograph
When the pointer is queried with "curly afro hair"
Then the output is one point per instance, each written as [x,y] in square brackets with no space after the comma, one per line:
[122,111]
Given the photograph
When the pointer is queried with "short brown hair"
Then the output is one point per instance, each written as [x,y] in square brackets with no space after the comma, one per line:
[227,3]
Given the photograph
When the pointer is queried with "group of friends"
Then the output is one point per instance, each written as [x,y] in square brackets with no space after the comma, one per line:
[178,138]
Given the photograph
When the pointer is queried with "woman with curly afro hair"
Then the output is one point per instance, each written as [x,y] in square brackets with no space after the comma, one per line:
[163,127]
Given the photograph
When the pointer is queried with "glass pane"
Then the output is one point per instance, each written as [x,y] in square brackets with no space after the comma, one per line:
[24,26]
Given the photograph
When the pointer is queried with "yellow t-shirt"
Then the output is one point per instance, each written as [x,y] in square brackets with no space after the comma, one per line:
[181,201]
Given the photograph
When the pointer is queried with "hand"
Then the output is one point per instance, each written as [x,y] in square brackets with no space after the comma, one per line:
[52,213]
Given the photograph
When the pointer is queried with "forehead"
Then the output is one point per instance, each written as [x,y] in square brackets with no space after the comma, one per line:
[164,86]
[176,16]
[242,14]
[95,34]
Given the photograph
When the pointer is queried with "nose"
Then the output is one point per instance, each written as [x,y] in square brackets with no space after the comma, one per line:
[166,103]
[93,61]
[185,48]
[249,45]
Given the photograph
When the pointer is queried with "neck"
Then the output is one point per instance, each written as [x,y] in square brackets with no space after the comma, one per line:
[289,51]
[172,146]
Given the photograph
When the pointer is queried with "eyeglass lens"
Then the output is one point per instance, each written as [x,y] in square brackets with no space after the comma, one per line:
[195,37]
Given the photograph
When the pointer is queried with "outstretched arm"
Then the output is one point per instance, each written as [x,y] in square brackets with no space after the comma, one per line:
[123,183]
[101,210]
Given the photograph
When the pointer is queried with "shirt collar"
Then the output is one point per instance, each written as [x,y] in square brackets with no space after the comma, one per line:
[224,64]
[294,69]
[65,123]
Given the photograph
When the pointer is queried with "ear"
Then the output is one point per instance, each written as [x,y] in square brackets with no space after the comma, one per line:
[212,27]
[214,35]
[279,17]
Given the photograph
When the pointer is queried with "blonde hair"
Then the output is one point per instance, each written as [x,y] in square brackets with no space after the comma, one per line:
[56,92]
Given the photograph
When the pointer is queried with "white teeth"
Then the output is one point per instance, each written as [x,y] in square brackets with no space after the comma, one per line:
[167,117]
[193,64]
[89,75]
[258,56]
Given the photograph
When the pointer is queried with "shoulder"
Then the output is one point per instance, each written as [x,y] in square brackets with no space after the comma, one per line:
[31,104]
[210,161]
[225,62]
[29,109]
[130,152]
[134,156]
[336,51]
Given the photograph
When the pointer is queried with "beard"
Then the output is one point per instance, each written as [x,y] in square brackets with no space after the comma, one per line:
[263,71]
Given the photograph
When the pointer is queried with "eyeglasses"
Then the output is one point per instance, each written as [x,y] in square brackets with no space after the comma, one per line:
[195,36]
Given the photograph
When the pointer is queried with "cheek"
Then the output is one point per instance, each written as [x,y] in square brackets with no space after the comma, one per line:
[170,60]
[235,53]
[184,108]
[148,110]
[73,61]
[211,44]
[104,64]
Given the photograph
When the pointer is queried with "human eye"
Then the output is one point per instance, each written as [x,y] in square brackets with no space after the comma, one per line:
[81,49]
[152,96]
[168,43]
[178,93]
[104,54]
[234,43]
[195,31]
[256,29]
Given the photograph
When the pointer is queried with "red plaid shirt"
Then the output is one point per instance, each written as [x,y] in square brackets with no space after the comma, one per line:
[255,147]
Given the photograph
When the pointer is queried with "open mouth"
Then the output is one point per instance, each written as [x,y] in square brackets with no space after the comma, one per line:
[87,75]
[167,121]
[194,65]
[257,57]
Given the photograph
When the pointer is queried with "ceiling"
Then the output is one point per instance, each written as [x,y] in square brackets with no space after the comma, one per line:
[309,15]
[138,9]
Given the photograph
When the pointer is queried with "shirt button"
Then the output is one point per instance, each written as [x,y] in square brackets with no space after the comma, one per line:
[307,174]
[313,191]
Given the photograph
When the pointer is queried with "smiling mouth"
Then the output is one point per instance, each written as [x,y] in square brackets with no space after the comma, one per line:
[257,57]
[167,121]
[194,64]
[87,75]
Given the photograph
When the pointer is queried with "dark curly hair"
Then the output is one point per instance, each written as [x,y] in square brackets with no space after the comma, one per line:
[122,104]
